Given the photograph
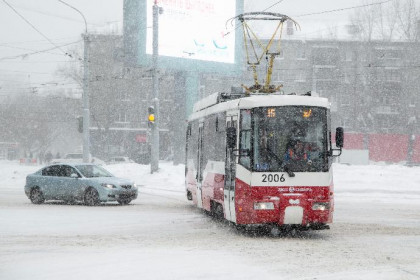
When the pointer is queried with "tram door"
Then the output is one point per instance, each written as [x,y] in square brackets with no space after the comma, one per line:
[200,166]
[230,171]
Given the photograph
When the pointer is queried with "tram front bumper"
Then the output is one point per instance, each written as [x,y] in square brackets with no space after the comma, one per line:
[286,211]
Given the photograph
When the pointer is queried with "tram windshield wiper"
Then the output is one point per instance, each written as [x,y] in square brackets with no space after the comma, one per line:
[287,167]
[288,171]
[273,155]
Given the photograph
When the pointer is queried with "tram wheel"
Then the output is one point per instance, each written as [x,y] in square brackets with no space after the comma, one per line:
[189,195]
[218,212]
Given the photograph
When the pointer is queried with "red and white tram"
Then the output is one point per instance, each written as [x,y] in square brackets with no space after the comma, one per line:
[263,159]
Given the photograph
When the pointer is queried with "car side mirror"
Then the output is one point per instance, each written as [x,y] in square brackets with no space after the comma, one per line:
[231,137]
[339,137]
[74,175]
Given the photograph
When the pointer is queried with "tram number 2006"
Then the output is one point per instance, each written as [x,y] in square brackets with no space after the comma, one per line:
[273,178]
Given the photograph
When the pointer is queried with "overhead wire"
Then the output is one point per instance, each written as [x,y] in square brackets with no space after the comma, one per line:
[41,51]
[36,29]
[343,9]
[54,15]
[44,61]
[275,4]
[37,41]
[323,12]
[20,48]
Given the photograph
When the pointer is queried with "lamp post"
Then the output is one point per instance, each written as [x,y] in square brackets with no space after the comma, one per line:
[85,96]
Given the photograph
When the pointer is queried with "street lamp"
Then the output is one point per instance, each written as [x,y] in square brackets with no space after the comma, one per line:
[85,96]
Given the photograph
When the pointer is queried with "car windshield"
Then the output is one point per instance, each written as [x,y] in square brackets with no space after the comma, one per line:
[90,171]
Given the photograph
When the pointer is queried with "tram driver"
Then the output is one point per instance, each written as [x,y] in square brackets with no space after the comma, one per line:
[297,151]
[297,157]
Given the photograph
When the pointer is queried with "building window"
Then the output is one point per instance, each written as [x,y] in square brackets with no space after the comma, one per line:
[281,76]
[122,117]
[384,124]
[333,99]
[393,75]
[325,55]
[412,102]
[300,76]
[345,123]
[301,52]
[346,78]
[349,55]
[345,99]
[389,54]
[384,100]
[123,96]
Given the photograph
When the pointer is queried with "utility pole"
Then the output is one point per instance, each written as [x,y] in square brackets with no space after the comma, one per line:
[86,112]
[85,96]
[154,163]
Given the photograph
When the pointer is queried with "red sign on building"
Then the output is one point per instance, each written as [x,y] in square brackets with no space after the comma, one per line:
[141,138]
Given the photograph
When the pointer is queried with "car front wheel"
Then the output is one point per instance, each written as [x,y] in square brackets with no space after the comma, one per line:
[36,196]
[91,197]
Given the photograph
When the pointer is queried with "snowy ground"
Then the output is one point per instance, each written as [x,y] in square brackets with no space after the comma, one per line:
[375,235]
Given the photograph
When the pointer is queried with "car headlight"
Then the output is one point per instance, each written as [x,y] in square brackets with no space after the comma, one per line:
[321,206]
[134,186]
[263,206]
[109,186]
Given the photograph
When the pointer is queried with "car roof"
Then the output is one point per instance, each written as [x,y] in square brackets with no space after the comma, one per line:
[74,164]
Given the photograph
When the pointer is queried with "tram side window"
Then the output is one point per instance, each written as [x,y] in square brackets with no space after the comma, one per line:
[245,139]
[245,147]
[220,135]
[192,145]
[208,140]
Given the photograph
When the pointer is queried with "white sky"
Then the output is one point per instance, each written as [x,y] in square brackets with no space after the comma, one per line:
[58,22]
[62,25]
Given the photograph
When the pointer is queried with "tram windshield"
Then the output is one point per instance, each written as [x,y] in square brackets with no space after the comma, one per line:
[288,138]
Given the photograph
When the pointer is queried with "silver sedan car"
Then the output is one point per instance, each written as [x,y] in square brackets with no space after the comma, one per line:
[88,183]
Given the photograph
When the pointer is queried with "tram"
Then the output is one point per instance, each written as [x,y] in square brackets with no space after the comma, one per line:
[240,164]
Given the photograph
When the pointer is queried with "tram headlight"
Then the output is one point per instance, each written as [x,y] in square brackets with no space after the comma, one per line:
[263,206]
[320,206]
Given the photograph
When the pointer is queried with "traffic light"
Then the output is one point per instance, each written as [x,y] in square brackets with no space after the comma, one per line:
[80,124]
[151,116]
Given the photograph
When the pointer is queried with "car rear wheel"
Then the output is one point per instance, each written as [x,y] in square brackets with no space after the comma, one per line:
[124,201]
[37,196]
[91,197]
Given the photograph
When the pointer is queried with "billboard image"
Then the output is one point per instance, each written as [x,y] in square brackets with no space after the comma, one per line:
[194,29]
[193,35]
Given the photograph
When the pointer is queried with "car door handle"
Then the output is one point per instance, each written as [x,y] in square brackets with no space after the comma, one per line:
[225,196]
[233,197]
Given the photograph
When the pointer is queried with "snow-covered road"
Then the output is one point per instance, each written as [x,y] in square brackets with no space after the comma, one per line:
[375,235]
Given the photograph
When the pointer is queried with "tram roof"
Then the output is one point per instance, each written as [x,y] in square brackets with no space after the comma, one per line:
[211,104]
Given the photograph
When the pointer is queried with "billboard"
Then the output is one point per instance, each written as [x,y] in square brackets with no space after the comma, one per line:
[192,35]
[194,29]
